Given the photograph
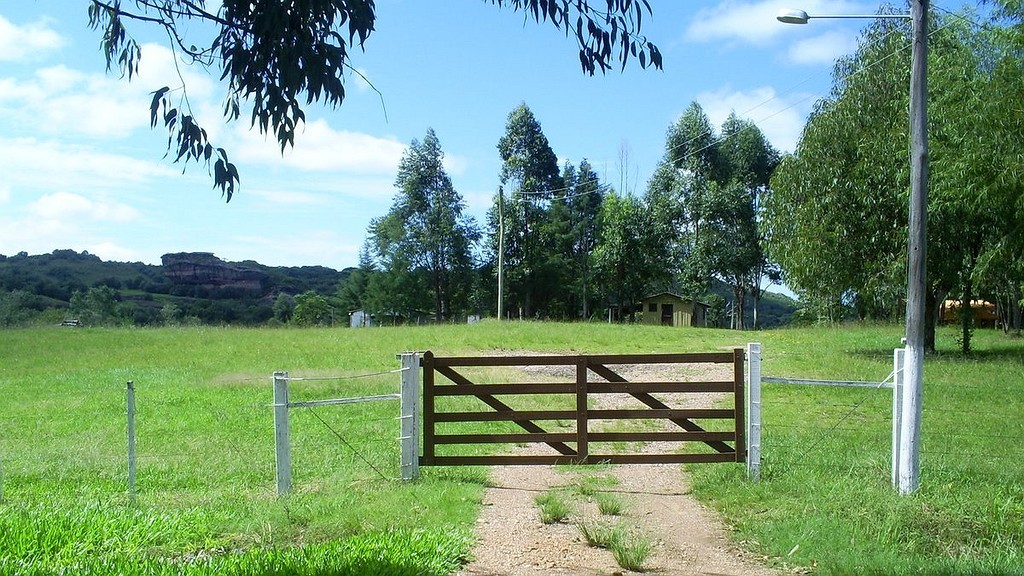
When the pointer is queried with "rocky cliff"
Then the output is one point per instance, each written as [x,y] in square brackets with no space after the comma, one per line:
[205,269]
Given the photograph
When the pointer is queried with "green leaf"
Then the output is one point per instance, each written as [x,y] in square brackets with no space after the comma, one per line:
[154,105]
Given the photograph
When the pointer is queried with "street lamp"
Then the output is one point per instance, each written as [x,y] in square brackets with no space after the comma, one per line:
[910,432]
[789,16]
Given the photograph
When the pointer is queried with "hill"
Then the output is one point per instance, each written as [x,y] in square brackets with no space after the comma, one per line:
[193,287]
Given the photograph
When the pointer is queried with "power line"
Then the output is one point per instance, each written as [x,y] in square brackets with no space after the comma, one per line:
[856,73]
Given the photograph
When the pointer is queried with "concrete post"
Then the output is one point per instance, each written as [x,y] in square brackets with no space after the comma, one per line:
[754,411]
[282,436]
[410,436]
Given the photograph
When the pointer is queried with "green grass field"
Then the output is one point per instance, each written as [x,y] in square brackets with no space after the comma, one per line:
[206,503]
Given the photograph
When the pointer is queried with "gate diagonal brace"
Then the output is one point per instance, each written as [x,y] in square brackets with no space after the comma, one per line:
[500,406]
[652,402]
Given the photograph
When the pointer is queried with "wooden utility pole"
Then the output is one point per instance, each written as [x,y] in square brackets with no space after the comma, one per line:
[501,253]
[910,435]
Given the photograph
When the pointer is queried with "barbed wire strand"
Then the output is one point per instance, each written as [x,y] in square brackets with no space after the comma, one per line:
[845,417]
[360,455]
[351,377]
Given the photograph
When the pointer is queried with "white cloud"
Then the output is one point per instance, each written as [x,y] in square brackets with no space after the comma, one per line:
[290,197]
[113,251]
[311,247]
[754,22]
[65,207]
[5,194]
[455,165]
[35,236]
[60,100]
[26,41]
[49,165]
[478,202]
[361,79]
[780,118]
[824,48]
[320,148]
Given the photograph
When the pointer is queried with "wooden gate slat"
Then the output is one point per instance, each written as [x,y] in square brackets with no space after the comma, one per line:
[506,416]
[663,387]
[667,413]
[507,438]
[582,416]
[590,459]
[511,388]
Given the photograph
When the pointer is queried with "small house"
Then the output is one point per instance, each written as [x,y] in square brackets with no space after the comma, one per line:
[360,319]
[668,309]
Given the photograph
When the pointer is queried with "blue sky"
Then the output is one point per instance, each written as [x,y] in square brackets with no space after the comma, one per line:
[80,167]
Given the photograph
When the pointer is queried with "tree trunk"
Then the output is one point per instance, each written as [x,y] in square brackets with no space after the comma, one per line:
[756,293]
[966,316]
[739,297]
[933,299]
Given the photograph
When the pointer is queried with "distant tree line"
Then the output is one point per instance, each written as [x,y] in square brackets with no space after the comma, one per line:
[566,245]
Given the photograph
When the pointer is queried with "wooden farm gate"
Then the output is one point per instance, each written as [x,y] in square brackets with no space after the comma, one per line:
[574,446]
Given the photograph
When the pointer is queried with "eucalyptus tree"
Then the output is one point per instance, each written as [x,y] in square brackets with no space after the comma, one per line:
[705,200]
[748,161]
[622,257]
[839,217]
[530,178]
[978,185]
[575,223]
[352,290]
[679,191]
[670,246]
[278,57]
[425,233]
[1005,134]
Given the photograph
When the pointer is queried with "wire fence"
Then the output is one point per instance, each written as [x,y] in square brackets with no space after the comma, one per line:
[972,428]
[197,439]
[194,440]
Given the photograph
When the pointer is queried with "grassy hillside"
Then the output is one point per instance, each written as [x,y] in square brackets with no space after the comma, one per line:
[206,505]
[41,287]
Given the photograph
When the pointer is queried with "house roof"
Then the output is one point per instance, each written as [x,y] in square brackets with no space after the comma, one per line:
[677,297]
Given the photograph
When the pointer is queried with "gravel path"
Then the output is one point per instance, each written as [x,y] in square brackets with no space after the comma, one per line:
[688,537]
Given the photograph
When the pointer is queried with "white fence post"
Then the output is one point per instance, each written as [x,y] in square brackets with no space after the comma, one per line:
[898,356]
[754,411]
[909,473]
[131,437]
[410,459]
[282,437]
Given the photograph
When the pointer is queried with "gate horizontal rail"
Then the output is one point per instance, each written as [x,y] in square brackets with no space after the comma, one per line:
[574,446]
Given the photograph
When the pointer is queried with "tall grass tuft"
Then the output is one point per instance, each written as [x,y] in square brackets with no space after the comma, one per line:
[633,552]
[609,504]
[630,548]
[553,507]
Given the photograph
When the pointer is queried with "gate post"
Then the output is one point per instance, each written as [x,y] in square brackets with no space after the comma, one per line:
[582,418]
[410,436]
[898,357]
[282,437]
[740,402]
[754,411]
[428,408]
